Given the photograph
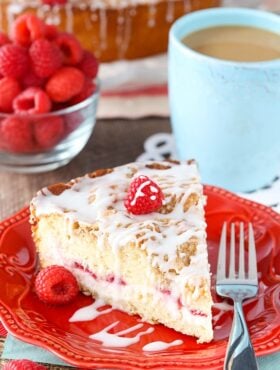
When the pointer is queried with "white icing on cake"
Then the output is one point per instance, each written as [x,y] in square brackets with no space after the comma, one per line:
[100,202]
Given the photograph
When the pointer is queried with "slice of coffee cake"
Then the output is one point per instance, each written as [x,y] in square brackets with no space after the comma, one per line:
[153,264]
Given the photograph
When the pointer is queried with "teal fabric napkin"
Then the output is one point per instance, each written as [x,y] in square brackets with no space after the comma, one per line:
[16,349]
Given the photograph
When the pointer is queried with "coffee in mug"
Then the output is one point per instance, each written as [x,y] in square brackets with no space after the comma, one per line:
[236,43]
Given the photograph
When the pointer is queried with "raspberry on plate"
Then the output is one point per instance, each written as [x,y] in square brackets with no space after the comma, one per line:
[65,83]
[48,131]
[143,196]
[13,60]
[70,48]
[27,28]
[56,285]
[16,134]
[23,365]
[32,100]
[45,57]
[9,89]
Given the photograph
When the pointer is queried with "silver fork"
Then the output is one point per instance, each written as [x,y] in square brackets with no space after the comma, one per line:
[238,285]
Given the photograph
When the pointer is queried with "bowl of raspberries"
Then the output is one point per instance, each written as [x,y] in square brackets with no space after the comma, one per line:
[48,96]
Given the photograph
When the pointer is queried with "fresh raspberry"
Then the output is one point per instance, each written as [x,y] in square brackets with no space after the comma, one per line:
[14,60]
[56,285]
[48,131]
[4,39]
[23,365]
[70,48]
[16,134]
[9,89]
[32,100]
[30,79]
[89,64]
[88,89]
[54,2]
[143,196]
[45,57]
[27,28]
[65,83]
[51,31]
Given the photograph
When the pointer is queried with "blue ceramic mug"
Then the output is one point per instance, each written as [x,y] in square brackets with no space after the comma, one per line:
[225,114]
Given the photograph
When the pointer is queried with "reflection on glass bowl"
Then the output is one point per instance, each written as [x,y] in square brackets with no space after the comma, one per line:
[44,142]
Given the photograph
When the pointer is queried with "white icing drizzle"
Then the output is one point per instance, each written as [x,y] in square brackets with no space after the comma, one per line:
[152,15]
[139,193]
[84,5]
[42,12]
[120,31]
[126,33]
[116,339]
[170,11]
[100,201]
[54,16]
[133,10]
[1,19]
[94,17]
[187,6]
[103,28]
[90,312]
[222,307]
[161,346]
[69,18]
[12,11]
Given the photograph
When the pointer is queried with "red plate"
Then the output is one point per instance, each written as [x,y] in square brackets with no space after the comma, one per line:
[34,322]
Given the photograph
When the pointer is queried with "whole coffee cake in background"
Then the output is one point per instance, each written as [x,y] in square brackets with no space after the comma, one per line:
[113,29]
[134,236]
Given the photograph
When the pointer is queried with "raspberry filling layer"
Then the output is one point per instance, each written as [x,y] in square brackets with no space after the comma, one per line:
[114,280]
[109,278]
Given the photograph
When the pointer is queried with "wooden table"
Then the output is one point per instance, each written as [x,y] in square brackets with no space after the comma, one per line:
[114,142]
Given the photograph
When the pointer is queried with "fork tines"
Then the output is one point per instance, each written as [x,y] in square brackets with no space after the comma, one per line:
[242,273]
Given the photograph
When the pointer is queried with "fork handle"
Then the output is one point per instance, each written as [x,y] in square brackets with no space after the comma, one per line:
[240,353]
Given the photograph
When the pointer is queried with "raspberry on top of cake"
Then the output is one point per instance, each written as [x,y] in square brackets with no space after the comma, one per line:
[153,263]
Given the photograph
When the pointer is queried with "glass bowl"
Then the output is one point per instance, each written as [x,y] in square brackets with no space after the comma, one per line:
[48,141]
